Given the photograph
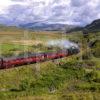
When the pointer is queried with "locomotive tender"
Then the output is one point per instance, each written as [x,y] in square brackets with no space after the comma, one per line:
[11,62]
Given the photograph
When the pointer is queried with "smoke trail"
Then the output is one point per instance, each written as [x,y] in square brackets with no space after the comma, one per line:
[62,43]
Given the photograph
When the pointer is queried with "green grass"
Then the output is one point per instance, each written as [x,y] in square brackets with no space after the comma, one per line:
[28,81]
[8,47]
[72,79]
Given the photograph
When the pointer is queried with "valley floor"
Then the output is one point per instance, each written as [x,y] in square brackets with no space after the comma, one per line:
[70,79]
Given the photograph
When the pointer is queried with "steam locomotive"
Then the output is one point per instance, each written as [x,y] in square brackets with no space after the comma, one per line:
[11,62]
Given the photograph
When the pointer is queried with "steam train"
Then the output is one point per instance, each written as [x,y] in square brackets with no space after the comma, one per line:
[31,58]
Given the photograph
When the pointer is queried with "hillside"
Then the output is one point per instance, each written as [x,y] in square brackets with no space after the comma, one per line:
[94,26]
[48,27]
[39,26]
[9,28]
[69,78]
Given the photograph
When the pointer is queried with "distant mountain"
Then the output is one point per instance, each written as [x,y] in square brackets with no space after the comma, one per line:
[9,28]
[94,26]
[75,29]
[47,26]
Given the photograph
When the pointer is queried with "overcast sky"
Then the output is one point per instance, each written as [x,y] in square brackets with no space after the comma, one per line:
[79,12]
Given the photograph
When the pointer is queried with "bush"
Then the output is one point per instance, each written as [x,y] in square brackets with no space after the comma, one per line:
[72,67]
[96,52]
[7,54]
[97,80]
[91,76]
[24,85]
[88,87]
[14,49]
[49,80]
[86,55]
[67,97]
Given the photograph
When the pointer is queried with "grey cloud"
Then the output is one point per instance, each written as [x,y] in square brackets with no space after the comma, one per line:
[78,3]
[76,12]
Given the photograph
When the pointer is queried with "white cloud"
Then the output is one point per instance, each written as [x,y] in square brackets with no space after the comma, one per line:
[52,11]
[4,4]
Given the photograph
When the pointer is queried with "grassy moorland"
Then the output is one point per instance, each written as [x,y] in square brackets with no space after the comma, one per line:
[65,79]
[12,42]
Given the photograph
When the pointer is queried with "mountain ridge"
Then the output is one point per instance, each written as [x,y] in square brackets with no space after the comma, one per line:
[94,26]
[48,26]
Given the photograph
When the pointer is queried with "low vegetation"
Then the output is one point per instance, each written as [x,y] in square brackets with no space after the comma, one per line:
[70,78]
